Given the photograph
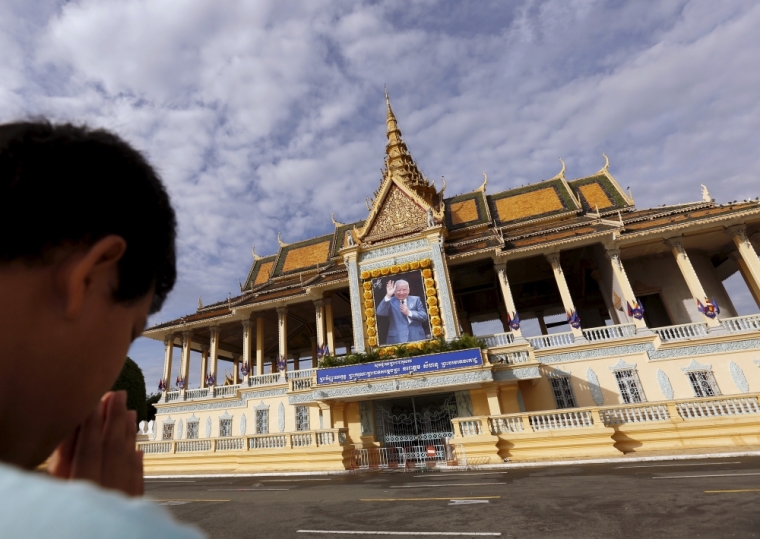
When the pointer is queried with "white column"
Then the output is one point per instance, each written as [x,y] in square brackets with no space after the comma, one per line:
[204,364]
[247,346]
[329,326]
[214,354]
[506,293]
[564,291]
[236,363]
[187,340]
[168,353]
[319,307]
[260,345]
[282,332]
[622,280]
[749,265]
[313,351]
[690,276]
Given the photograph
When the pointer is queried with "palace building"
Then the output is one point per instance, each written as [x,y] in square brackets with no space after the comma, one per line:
[615,334]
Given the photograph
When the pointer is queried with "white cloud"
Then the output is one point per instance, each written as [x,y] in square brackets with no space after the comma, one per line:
[267,116]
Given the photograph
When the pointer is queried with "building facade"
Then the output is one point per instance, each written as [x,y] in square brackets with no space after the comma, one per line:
[616,332]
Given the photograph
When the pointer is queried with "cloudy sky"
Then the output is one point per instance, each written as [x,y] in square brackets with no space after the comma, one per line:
[266,116]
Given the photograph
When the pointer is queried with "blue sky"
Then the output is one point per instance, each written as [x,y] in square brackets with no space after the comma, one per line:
[267,116]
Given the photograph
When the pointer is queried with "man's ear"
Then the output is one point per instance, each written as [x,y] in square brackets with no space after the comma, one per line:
[82,269]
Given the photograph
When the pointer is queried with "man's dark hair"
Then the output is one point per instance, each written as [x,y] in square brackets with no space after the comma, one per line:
[69,186]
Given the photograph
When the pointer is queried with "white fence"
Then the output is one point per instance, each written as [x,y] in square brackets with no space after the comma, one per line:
[718,407]
[681,332]
[511,358]
[741,323]
[268,441]
[609,333]
[550,341]
[497,339]
[189,446]
[197,393]
[226,391]
[265,379]
[635,414]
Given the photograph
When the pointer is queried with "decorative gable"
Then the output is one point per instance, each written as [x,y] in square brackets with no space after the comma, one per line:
[398,213]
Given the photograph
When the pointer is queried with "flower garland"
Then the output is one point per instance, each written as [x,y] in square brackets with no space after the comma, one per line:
[436,324]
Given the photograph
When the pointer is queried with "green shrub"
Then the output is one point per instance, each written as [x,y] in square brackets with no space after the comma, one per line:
[132,381]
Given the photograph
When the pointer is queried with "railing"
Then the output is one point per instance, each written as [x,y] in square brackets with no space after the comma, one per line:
[511,358]
[681,332]
[550,341]
[265,379]
[498,339]
[155,447]
[230,444]
[226,391]
[285,441]
[303,373]
[610,333]
[196,393]
[172,396]
[718,407]
[739,324]
[609,416]
[642,413]
[268,441]
[193,445]
[300,384]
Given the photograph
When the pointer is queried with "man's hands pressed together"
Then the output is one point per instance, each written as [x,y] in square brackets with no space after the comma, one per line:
[102,448]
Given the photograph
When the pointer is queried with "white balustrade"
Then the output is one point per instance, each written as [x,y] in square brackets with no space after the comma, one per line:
[230,444]
[511,358]
[301,439]
[268,441]
[156,447]
[500,425]
[681,332]
[610,333]
[301,384]
[551,341]
[172,396]
[470,427]
[226,391]
[739,324]
[190,446]
[498,339]
[325,437]
[198,393]
[717,407]
[303,373]
[265,379]
[561,420]
[635,414]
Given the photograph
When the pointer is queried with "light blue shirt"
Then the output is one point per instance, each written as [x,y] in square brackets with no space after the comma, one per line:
[36,506]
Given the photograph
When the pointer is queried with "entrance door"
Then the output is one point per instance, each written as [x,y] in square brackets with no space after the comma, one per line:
[417,425]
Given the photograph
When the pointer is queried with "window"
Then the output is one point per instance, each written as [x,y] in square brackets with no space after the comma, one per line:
[703,383]
[262,421]
[563,392]
[302,418]
[225,427]
[192,430]
[630,386]
[168,431]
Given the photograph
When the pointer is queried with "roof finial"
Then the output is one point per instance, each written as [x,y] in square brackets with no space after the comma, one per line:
[336,223]
[240,284]
[561,172]
[706,194]
[443,189]
[282,243]
[606,162]
[253,252]
[482,188]
[200,303]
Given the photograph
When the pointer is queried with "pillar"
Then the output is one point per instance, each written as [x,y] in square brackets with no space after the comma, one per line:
[564,291]
[236,363]
[314,352]
[464,321]
[214,354]
[326,414]
[690,276]
[296,361]
[247,345]
[618,270]
[329,324]
[492,394]
[260,345]
[749,265]
[506,293]
[187,340]
[319,308]
[168,353]
[204,364]
[541,322]
[282,331]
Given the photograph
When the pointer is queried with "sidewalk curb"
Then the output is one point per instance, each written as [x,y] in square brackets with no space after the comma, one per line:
[504,466]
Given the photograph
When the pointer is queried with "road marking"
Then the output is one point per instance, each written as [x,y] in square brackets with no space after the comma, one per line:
[356,532]
[467,502]
[179,503]
[243,489]
[731,491]
[162,481]
[446,485]
[428,499]
[711,475]
[291,480]
[181,500]
[457,474]
[669,465]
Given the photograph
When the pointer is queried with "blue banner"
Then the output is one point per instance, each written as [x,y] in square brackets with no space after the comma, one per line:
[398,367]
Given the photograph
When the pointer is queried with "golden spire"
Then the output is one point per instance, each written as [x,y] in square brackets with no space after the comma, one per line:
[399,162]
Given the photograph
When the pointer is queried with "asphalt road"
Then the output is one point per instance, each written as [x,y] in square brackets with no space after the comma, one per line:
[692,498]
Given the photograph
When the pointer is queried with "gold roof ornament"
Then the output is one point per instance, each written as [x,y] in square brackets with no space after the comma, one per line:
[336,223]
[253,253]
[200,303]
[606,167]
[706,194]
[282,243]
[482,188]
[561,175]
